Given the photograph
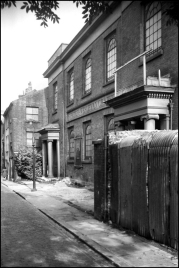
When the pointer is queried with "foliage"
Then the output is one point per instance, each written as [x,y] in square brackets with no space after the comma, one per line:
[23,161]
[93,8]
[43,9]
[172,13]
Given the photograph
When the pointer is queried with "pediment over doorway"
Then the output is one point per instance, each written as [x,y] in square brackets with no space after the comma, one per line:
[50,131]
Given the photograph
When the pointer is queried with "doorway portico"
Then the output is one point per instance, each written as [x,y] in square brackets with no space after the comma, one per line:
[50,150]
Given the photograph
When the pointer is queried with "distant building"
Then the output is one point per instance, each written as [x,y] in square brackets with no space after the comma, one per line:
[18,131]
[87,99]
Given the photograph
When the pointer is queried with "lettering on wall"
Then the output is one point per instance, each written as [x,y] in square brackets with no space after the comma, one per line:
[89,108]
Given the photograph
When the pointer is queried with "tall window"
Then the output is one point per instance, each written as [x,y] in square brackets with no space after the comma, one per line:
[111,59]
[153,26]
[88,76]
[29,138]
[88,142]
[71,144]
[32,113]
[71,90]
[55,92]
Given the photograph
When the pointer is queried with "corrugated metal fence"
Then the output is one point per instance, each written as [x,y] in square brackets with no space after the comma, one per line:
[144,185]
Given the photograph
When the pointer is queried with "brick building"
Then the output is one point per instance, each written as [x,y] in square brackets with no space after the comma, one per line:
[87,99]
[18,131]
[2,140]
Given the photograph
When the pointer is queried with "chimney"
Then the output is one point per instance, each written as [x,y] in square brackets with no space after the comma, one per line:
[29,89]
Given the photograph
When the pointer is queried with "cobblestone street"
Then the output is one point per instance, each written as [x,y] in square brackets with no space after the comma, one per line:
[30,239]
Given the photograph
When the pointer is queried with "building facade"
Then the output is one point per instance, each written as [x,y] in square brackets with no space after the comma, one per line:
[106,78]
[22,119]
[2,141]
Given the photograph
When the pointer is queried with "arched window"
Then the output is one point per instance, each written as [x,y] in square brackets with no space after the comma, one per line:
[88,76]
[71,145]
[111,124]
[88,142]
[71,92]
[55,89]
[153,32]
[111,59]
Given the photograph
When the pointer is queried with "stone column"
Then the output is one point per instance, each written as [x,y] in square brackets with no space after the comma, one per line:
[149,121]
[44,158]
[50,163]
[58,159]
[164,122]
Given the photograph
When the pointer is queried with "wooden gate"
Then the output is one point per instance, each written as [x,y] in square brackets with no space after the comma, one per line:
[140,222]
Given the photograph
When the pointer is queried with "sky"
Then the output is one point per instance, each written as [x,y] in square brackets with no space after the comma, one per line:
[26,46]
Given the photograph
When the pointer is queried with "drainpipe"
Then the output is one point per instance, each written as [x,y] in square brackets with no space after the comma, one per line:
[64,160]
[171,111]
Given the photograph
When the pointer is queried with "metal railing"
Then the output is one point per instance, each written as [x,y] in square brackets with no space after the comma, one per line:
[144,69]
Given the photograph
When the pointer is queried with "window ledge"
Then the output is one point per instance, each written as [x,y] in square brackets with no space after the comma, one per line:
[69,104]
[54,112]
[86,95]
[28,121]
[87,161]
[108,83]
[70,161]
[152,56]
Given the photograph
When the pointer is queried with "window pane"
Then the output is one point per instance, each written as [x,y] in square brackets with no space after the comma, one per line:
[151,21]
[151,46]
[155,36]
[35,110]
[28,110]
[159,33]
[155,18]
[29,135]
[147,24]
[147,33]
[155,44]
[29,142]
[159,15]
[29,116]
[155,27]
[159,42]
[151,38]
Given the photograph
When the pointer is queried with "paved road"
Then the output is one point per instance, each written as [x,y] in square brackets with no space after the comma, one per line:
[30,239]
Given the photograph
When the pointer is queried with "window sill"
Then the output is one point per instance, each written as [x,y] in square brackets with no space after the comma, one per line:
[70,161]
[86,95]
[108,83]
[152,56]
[28,121]
[69,104]
[87,161]
[54,112]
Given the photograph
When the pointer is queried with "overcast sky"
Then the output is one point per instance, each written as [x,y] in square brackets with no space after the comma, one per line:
[26,47]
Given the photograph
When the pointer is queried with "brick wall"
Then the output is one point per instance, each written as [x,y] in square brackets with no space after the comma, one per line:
[129,31]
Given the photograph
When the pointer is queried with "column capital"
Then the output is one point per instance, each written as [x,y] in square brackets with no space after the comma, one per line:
[149,116]
[49,140]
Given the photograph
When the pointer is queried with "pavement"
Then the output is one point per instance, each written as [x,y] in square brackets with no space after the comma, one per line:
[73,209]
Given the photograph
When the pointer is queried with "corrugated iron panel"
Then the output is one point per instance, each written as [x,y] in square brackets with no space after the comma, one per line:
[114,183]
[174,194]
[125,177]
[140,217]
[159,179]
[163,138]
